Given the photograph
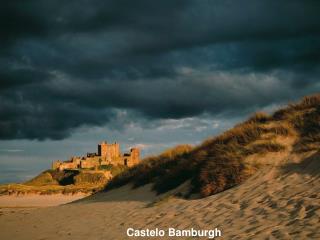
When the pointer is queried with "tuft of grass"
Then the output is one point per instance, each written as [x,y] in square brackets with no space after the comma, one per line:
[265,148]
[308,127]
[219,174]
[259,117]
[294,109]
[307,102]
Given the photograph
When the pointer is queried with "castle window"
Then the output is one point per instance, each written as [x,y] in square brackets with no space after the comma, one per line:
[125,162]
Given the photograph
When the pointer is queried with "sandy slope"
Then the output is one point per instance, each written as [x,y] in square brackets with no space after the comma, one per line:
[279,202]
[36,200]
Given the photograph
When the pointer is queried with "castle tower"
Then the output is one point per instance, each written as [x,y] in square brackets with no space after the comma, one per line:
[135,155]
[117,152]
[103,149]
[109,152]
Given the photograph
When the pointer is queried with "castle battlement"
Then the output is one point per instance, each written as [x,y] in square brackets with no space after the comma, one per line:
[108,154]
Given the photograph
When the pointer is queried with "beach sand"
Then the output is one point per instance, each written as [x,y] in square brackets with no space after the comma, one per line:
[281,201]
[36,200]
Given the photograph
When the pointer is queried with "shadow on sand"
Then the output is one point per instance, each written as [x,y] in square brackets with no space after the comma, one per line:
[309,165]
[124,193]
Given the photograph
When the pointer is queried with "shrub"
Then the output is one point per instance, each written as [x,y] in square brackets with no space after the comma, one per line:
[65,177]
[90,178]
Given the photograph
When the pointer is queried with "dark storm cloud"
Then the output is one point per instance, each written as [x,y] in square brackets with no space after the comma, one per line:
[65,64]
[24,117]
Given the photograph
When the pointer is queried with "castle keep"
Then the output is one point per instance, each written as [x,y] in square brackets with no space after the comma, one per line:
[108,154]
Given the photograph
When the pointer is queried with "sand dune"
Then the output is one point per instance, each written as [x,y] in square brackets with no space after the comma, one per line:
[282,201]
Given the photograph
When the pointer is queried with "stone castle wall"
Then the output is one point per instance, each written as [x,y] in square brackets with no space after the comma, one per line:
[107,154]
[133,158]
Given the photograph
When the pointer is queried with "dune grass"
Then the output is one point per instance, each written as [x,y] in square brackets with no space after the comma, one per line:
[114,169]
[96,178]
[42,179]
[21,189]
[307,124]
[213,166]
[217,164]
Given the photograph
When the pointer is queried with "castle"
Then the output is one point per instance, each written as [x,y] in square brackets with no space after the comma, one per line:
[108,154]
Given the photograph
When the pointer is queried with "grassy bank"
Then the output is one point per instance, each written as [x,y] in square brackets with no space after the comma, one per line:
[86,181]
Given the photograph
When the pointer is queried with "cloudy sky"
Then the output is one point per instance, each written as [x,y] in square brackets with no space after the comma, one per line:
[147,73]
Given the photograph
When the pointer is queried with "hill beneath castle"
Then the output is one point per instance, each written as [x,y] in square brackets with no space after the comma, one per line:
[67,182]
